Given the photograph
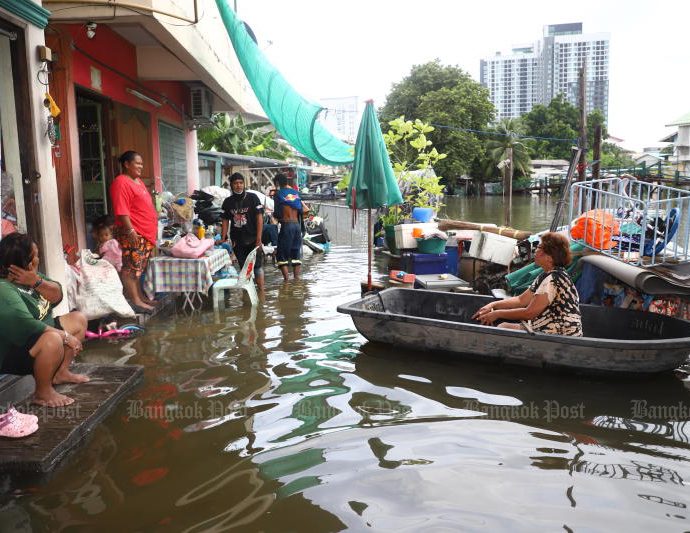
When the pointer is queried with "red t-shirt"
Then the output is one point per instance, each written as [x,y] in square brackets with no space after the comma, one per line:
[130,197]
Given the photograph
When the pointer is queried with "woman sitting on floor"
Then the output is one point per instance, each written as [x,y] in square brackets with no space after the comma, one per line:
[31,340]
[551,304]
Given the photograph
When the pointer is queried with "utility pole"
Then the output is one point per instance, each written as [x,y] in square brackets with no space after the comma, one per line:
[508,187]
[582,168]
[596,152]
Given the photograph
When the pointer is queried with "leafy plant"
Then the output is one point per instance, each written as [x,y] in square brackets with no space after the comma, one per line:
[392,215]
[413,157]
[234,136]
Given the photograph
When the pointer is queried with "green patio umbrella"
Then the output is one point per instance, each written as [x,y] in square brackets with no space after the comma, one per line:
[373,183]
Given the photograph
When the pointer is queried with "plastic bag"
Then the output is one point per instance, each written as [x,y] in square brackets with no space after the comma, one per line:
[596,228]
[98,288]
[191,247]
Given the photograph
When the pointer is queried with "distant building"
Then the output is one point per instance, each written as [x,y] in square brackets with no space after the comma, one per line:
[536,73]
[681,142]
[341,116]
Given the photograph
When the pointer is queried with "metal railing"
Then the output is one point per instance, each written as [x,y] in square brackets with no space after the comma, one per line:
[640,223]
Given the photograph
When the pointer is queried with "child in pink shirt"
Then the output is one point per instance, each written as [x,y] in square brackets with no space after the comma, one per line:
[108,248]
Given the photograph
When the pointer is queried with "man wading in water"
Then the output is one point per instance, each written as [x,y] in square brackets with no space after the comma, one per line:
[289,211]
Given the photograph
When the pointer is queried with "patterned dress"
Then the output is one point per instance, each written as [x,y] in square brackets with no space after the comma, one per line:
[562,316]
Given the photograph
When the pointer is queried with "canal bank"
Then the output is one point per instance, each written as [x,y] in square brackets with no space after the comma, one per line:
[291,421]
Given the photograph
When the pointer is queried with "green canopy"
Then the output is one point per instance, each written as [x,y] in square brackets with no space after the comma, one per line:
[293,116]
[373,183]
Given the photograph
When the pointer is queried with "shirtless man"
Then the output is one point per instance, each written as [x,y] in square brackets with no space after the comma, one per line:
[289,211]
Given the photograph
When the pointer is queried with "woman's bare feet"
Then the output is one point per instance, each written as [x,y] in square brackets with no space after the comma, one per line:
[65,376]
[51,398]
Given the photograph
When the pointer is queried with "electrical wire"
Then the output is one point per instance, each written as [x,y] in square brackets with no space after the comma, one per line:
[479,132]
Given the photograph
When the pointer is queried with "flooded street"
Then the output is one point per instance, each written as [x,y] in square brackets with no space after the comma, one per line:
[290,421]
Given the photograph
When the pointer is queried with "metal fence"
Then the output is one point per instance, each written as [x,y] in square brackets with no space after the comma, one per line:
[338,221]
[641,223]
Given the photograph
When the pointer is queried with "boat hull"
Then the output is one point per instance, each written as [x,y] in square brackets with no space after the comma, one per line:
[444,323]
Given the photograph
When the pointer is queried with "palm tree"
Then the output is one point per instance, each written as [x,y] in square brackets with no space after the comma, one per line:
[506,152]
[508,131]
[234,136]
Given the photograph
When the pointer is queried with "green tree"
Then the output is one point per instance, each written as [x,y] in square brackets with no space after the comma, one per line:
[509,132]
[613,156]
[446,95]
[558,120]
[234,136]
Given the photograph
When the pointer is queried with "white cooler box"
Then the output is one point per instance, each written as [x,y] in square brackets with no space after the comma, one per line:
[403,234]
[493,248]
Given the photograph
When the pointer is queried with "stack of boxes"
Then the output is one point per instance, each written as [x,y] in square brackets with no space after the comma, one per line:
[419,263]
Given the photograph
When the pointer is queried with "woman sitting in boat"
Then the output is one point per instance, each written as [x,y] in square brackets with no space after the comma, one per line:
[551,304]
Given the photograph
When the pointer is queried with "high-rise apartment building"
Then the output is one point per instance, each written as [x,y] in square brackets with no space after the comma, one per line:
[536,73]
[341,116]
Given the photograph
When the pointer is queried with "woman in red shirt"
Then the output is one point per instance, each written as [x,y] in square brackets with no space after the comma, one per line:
[136,227]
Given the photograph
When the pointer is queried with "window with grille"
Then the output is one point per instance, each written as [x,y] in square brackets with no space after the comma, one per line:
[173,158]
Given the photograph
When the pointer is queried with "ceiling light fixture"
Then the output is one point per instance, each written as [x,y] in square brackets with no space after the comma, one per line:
[143,97]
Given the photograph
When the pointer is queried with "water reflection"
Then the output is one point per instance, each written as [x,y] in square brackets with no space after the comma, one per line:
[283,418]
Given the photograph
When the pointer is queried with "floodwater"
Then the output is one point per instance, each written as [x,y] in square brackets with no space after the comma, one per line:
[291,421]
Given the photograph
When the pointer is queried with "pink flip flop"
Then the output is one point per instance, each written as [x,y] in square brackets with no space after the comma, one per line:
[15,427]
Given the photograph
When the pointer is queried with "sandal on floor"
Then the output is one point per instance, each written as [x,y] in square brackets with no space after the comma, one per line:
[141,310]
[16,427]
[28,416]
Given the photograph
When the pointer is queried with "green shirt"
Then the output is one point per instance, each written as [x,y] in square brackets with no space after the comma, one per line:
[24,313]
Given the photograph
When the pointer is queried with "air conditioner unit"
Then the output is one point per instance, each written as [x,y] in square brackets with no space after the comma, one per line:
[202,103]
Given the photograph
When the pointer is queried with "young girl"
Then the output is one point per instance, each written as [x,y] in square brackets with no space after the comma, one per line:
[108,247]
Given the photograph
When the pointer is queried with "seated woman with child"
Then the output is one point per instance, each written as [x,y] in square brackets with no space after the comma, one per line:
[31,340]
[551,304]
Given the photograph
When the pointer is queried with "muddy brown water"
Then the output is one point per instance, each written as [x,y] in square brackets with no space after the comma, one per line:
[291,421]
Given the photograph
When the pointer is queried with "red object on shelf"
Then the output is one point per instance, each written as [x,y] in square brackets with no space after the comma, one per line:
[401,276]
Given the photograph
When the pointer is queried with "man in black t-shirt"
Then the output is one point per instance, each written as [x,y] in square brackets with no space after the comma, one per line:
[243,213]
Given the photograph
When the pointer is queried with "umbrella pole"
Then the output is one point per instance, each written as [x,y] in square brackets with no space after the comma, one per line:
[369,237]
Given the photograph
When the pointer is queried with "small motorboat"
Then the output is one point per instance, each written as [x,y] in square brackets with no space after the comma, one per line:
[615,340]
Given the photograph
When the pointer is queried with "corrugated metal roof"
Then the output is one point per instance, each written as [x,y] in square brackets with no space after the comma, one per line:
[681,121]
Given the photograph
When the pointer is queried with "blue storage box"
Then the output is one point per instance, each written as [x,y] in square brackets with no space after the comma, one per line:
[425,263]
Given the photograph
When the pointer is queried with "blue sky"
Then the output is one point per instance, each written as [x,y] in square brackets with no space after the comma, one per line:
[360,48]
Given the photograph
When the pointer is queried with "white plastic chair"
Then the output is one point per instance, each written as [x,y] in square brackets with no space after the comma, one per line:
[244,282]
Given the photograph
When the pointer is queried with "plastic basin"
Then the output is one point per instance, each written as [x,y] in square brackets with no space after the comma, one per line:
[431,246]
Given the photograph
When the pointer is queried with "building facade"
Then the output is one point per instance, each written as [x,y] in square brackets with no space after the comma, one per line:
[134,79]
[28,188]
[536,73]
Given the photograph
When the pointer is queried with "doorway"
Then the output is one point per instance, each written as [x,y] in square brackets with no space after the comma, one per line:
[12,197]
[92,160]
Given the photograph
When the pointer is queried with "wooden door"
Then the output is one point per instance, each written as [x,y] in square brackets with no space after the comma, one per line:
[133,132]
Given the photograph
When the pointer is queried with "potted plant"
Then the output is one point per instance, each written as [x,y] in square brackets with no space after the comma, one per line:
[390,218]
[413,159]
